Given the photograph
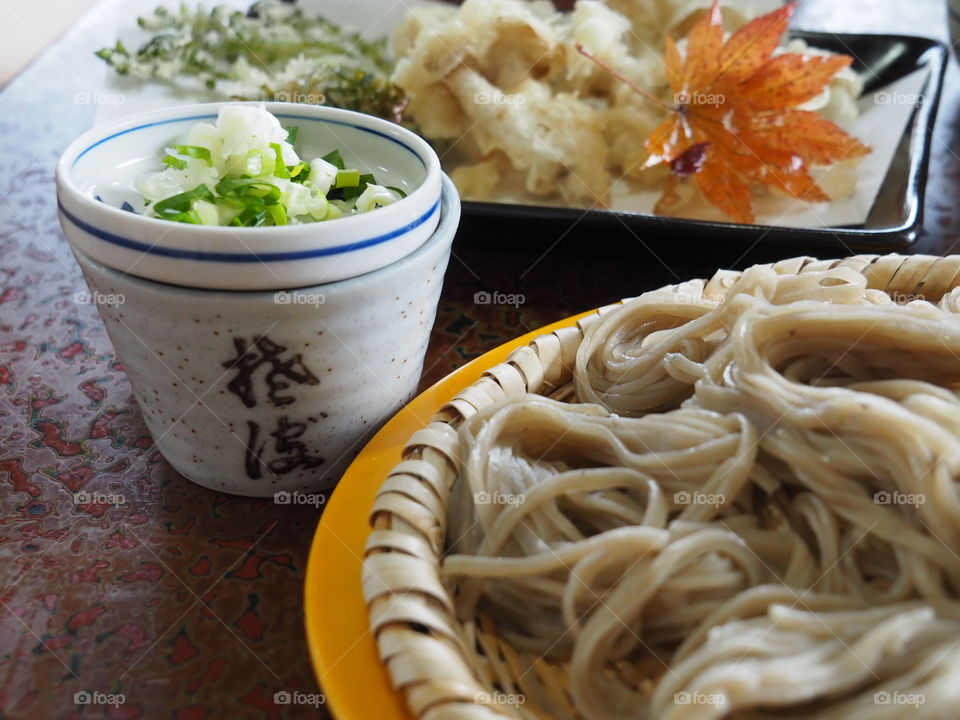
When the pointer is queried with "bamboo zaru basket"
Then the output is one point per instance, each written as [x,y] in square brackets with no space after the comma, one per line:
[449,669]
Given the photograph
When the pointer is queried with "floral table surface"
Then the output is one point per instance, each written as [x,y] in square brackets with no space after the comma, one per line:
[127,592]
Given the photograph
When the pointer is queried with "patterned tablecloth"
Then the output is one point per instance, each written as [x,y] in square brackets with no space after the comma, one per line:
[184,602]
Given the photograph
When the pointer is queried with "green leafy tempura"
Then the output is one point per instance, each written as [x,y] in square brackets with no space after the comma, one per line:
[273,52]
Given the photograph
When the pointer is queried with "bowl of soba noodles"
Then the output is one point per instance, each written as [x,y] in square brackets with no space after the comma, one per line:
[733,497]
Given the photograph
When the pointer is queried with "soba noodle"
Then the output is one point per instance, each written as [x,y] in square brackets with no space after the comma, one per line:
[745,508]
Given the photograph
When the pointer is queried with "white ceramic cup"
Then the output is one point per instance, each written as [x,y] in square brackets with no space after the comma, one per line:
[97,172]
[256,393]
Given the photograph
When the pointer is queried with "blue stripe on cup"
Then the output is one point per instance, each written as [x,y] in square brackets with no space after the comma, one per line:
[244,257]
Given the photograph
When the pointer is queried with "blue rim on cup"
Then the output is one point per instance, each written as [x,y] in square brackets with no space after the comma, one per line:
[96,173]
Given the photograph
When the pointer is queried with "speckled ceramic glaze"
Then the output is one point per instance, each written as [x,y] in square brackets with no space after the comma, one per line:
[259,392]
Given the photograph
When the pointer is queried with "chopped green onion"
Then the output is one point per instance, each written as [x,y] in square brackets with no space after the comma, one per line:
[279,214]
[280,170]
[181,204]
[175,162]
[190,217]
[397,190]
[347,178]
[249,187]
[351,192]
[255,187]
[251,217]
[292,132]
[319,214]
[228,208]
[207,212]
[299,172]
[195,151]
[334,159]
[259,162]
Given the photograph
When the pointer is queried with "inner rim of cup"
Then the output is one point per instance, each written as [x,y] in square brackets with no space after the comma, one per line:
[101,135]
[447,228]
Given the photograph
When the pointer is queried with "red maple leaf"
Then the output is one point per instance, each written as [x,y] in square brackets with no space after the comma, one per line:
[735,123]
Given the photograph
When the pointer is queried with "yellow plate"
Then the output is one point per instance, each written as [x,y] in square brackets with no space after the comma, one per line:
[344,653]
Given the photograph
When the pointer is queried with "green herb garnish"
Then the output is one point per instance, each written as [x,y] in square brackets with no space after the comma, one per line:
[249,188]
[195,151]
[180,207]
[220,46]
[299,172]
[280,170]
[175,162]
[278,213]
[255,187]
